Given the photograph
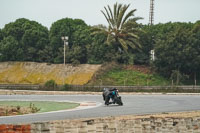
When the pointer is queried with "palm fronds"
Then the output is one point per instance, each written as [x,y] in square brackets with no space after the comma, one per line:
[122,26]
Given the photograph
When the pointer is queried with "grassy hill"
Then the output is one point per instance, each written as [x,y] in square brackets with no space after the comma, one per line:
[110,74]
[127,75]
[39,73]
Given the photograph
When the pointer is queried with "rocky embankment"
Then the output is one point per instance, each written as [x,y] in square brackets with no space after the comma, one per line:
[39,73]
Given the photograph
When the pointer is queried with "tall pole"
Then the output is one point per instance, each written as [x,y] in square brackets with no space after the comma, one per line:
[65,39]
[151,12]
[64,53]
[151,19]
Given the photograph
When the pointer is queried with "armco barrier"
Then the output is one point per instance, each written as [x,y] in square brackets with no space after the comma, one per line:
[94,88]
[19,86]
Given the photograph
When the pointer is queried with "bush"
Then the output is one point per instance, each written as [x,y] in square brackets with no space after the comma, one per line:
[75,62]
[65,87]
[50,85]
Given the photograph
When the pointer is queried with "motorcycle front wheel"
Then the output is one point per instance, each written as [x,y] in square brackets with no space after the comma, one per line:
[118,100]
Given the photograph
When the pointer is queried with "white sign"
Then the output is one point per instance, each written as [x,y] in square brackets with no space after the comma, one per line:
[152,55]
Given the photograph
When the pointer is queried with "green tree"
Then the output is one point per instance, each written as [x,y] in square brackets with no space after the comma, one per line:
[31,37]
[46,54]
[78,34]
[10,49]
[63,27]
[193,52]
[97,50]
[81,38]
[33,41]
[175,49]
[1,35]
[121,30]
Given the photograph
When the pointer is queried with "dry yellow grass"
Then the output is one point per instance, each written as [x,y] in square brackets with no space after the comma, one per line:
[39,73]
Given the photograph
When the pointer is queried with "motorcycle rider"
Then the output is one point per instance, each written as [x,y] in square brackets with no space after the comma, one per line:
[108,94]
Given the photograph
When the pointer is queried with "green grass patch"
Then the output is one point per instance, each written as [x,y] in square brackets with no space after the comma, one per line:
[44,106]
[120,76]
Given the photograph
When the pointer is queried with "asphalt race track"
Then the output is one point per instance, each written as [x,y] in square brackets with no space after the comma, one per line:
[133,104]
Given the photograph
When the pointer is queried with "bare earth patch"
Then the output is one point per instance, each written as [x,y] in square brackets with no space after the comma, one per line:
[140,68]
[12,110]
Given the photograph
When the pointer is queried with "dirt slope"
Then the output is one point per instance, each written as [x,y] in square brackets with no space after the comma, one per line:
[38,73]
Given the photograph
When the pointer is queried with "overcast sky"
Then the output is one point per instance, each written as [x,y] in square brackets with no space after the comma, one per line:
[48,11]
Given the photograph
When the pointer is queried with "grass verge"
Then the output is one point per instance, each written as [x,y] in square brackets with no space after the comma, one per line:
[42,106]
[120,76]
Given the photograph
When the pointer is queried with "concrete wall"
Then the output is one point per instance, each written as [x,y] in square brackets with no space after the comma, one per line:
[123,124]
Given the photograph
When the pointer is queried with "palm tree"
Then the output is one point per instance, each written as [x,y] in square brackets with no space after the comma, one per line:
[122,29]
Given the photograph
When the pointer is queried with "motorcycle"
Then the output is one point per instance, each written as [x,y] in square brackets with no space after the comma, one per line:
[113,95]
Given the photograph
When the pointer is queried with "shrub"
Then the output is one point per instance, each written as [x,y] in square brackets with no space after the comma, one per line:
[65,87]
[50,85]
[33,108]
